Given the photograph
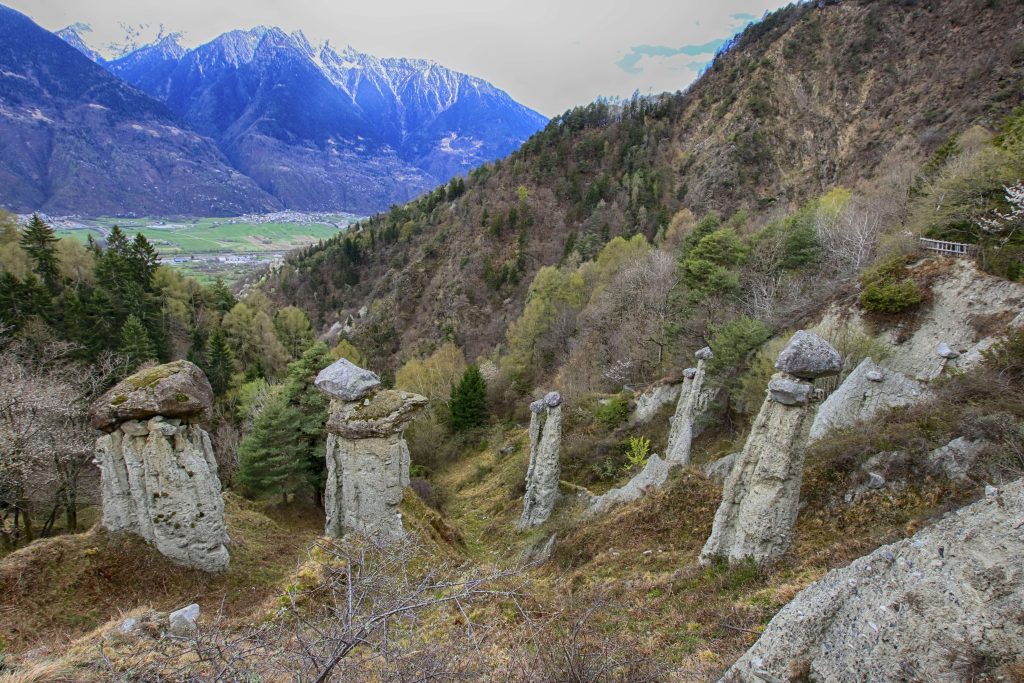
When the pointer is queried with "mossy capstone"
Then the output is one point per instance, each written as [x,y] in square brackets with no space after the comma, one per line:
[173,390]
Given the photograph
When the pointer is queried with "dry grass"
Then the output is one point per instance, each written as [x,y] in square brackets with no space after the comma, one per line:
[60,588]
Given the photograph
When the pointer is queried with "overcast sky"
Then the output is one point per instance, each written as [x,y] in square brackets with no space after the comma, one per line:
[548,54]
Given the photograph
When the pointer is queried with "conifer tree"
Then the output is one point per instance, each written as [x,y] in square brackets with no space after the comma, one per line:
[135,342]
[40,243]
[220,363]
[284,452]
[468,404]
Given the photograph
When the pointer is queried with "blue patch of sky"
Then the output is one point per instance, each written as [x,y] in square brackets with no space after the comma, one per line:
[630,62]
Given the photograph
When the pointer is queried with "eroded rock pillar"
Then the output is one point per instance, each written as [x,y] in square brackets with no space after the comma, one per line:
[544,472]
[680,436]
[367,456]
[157,465]
[761,494]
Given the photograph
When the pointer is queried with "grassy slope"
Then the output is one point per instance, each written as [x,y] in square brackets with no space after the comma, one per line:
[60,588]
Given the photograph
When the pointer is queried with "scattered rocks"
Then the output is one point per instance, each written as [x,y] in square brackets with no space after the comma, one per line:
[346,381]
[924,606]
[183,622]
[174,390]
[808,356]
[867,391]
[544,471]
[158,478]
[367,456]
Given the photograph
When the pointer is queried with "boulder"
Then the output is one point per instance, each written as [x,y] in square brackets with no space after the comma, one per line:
[690,373]
[944,351]
[346,381]
[173,390]
[790,392]
[924,608]
[704,354]
[159,481]
[719,469]
[544,471]
[861,396]
[183,622]
[552,399]
[955,459]
[368,463]
[808,356]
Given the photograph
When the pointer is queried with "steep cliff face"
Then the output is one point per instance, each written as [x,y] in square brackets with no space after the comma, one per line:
[808,99]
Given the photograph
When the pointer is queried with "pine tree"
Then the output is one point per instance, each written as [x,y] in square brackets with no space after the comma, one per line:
[39,242]
[142,261]
[135,342]
[468,404]
[220,363]
[284,453]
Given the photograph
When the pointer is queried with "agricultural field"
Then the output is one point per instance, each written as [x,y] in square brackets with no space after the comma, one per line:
[216,247]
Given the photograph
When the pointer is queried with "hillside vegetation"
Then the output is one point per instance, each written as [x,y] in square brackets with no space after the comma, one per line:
[785,191]
[858,94]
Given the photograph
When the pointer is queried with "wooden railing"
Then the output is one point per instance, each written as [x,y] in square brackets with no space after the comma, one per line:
[948,248]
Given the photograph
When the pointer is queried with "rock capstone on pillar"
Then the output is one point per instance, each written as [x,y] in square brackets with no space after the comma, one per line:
[157,465]
[761,494]
[367,456]
[543,474]
[680,435]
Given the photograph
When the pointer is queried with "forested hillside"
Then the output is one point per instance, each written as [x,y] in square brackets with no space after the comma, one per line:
[857,94]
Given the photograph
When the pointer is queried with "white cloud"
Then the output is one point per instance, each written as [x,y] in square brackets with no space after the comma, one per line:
[548,55]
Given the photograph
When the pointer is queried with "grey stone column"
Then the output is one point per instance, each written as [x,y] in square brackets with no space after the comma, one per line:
[761,495]
[157,466]
[545,470]
[367,456]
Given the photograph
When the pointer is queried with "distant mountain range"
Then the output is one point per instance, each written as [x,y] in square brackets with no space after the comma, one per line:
[252,121]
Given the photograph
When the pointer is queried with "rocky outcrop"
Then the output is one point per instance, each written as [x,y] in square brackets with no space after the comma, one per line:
[367,456]
[174,390]
[544,470]
[159,476]
[761,494]
[867,391]
[968,312]
[691,398]
[955,459]
[654,474]
[653,399]
[933,607]
[718,470]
